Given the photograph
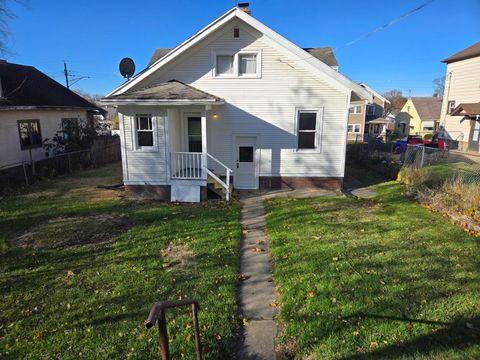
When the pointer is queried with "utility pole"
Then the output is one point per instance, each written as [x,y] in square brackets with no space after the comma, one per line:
[65,71]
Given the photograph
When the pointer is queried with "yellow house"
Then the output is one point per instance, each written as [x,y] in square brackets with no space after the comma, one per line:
[419,116]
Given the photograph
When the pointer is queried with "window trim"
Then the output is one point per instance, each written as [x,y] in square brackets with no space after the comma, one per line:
[449,111]
[318,129]
[22,147]
[236,64]
[137,147]
[354,107]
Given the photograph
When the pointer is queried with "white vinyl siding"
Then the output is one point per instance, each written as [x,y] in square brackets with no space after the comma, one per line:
[264,106]
[462,85]
[139,165]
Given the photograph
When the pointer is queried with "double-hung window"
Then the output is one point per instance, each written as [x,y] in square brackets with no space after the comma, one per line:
[245,64]
[370,109]
[354,128]
[30,135]
[451,106]
[355,109]
[224,65]
[144,131]
[308,128]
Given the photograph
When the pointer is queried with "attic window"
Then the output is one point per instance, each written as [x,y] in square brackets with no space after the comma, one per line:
[236,32]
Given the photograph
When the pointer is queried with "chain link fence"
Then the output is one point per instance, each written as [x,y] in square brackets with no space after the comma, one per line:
[440,165]
[26,173]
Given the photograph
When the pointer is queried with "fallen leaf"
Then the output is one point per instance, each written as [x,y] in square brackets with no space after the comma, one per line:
[311,294]
[274,305]
[245,321]
[257,249]
[335,258]
[166,265]
[373,344]
[243,277]
[334,300]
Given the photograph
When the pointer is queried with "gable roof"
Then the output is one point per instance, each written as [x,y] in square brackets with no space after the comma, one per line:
[375,94]
[324,54]
[26,87]
[428,107]
[173,91]
[469,52]
[315,65]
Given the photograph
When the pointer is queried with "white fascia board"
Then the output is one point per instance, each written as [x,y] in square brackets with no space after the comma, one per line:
[374,92]
[184,46]
[340,79]
[117,102]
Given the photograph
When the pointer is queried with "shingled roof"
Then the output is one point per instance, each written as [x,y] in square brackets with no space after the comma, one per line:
[428,108]
[324,54]
[469,52]
[26,87]
[172,90]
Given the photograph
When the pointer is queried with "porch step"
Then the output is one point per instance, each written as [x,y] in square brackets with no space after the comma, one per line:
[215,187]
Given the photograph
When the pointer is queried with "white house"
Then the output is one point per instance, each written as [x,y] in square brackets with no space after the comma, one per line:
[236,104]
[32,109]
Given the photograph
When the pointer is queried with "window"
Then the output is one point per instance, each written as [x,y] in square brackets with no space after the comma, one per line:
[307,130]
[245,154]
[451,106]
[243,64]
[236,32]
[224,65]
[144,130]
[71,129]
[247,64]
[370,109]
[30,135]
[354,128]
[355,109]
[194,134]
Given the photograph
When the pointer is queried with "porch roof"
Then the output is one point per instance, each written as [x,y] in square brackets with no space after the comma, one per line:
[472,110]
[173,92]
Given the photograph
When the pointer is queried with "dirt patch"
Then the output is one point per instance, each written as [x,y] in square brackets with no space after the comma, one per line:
[61,232]
[176,255]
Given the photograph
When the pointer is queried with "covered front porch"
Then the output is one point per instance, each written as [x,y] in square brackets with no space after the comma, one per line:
[181,138]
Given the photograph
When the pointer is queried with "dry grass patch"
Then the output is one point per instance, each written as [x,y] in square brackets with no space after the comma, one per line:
[61,232]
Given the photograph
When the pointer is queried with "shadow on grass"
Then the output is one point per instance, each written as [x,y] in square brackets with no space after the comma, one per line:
[455,335]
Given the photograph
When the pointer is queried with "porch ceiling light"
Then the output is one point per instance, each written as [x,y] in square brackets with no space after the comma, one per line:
[215,116]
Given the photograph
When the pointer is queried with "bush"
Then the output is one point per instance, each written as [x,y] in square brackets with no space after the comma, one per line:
[428,136]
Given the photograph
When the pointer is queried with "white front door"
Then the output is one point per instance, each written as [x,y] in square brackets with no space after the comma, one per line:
[245,174]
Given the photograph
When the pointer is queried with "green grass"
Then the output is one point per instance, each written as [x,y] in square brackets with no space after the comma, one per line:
[90,300]
[379,278]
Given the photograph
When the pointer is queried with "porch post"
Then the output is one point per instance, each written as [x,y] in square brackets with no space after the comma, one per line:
[204,143]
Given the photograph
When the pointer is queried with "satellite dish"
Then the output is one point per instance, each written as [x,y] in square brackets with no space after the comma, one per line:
[127,67]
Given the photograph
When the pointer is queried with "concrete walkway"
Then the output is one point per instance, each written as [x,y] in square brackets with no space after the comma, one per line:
[257,290]
[354,187]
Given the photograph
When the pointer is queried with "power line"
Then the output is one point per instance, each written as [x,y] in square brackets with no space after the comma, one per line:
[71,79]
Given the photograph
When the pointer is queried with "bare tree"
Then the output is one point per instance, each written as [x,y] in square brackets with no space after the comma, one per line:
[396,98]
[438,86]
[6,14]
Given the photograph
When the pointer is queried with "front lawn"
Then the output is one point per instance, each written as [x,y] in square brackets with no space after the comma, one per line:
[70,292]
[379,278]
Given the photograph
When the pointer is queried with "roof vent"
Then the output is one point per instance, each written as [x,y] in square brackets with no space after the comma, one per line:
[244,7]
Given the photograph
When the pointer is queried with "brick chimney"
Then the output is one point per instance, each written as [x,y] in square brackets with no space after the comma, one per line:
[244,8]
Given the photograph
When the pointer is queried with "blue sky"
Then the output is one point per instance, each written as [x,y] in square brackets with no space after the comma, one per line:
[93,36]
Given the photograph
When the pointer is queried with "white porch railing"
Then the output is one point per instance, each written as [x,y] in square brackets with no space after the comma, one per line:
[194,166]
[187,165]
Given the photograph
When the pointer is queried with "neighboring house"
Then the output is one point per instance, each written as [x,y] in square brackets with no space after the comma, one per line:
[236,95]
[462,87]
[32,108]
[361,114]
[419,116]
